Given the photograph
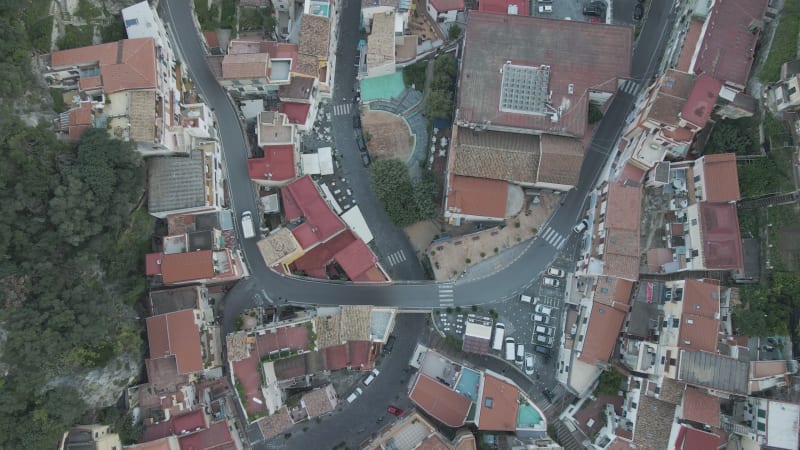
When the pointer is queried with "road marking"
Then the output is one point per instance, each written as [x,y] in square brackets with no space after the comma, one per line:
[446,294]
[553,238]
[396,258]
[342,109]
[264,291]
[630,87]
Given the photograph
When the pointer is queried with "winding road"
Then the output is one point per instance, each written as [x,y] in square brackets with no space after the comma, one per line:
[502,285]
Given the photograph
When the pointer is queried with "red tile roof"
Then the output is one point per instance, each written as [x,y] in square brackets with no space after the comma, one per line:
[211,39]
[356,259]
[477,197]
[124,65]
[152,264]
[278,162]
[693,439]
[621,254]
[447,5]
[336,357]
[441,402]
[701,407]
[189,422]
[698,333]
[296,112]
[504,400]
[580,56]
[701,297]
[701,101]
[359,354]
[182,267]
[624,208]
[631,173]
[320,256]
[729,42]
[302,199]
[762,369]
[722,242]
[721,178]
[217,437]
[689,45]
[501,6]
[604,326]
[176,334]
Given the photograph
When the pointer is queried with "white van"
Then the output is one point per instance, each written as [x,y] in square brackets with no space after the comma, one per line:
[371,377]
[547,331]
[510,349]
[520,354]
[354,395]
[525,298]
[499,332]
[542,309]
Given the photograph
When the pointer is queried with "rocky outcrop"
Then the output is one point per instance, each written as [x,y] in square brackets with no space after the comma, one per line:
[102,387]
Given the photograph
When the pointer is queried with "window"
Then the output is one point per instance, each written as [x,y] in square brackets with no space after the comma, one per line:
[762,413]
[696,178]
[676,323]
[694,221]
[604,290]
[673,361]
[762,426]
[792,90]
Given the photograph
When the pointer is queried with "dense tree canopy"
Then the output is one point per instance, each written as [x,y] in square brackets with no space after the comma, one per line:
[404,202]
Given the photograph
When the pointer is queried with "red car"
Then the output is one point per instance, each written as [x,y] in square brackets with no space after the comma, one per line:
[394,410]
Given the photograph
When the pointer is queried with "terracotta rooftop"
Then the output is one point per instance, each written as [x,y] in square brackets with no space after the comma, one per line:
[605,323]
[322,255]
[277,164]
[245,66]
[698,333]
[441,402]
[298,89]
[447,5]
[477,197]
[693,439]
[701,297]
[183,267]
[176,334]
[499,405]
[315,36]
[763,369]
[624,208]
[380,42]
[722,242]
[631,173]
[580,55]
[621,254]
[689,45]
[698,406]
[701,101]
[356,260]
[729,42]
[320,401]
[561,160]
[613,291]
[275,424]
[502,6]
[674,88]
[295,112]
[653,423]
[124,65]
[721,178]
[302,200]
[496,155]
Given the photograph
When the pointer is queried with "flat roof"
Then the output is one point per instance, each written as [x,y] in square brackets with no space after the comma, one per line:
[580,56]
[721,178]
[504,7]
[170,300]
[713,371]
[277,164]
[477,197]
[722,241]
[783,425]
[355,220]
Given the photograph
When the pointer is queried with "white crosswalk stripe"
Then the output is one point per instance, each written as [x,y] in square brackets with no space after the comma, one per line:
[630,87]
[342,109]
[446,294]
[553,238]
[396,258]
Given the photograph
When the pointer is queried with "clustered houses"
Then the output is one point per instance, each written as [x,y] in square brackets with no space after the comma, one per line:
[660,235]
[521,112]
[301,351]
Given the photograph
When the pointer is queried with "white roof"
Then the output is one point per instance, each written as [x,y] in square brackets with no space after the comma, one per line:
[140,22]
[320,163]
[355,220]
[477,330]
[310,164]
[783,425]
[270,203]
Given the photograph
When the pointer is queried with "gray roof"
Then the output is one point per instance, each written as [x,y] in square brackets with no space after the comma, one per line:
[752,258]
[644,315]
[171,300]
[714,371]
[201,240]
[175,183]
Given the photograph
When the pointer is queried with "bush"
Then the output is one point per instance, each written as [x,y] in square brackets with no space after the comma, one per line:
[115,31]
[595,115]
[415,75]
[468,261]
[75,36]
[784,44]
[733,136]
[454,32]
[58,100]
[404,202]
[610,382]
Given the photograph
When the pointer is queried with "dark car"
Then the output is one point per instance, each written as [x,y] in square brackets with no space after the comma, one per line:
[365,158]
[593,11]
[542,350]
[389,344]
[394,410]
[638,12]
[356,121]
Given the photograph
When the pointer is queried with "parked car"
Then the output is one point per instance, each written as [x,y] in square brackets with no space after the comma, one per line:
[558,273]
[354,395]
[510,349]
[357,121]
[545,330]
[540,318]
[544,340]
[543,309]
[365,159]
[389,344]
[545,9]
[520,354]
[525,298]
[593,11]
[542,350]
[528,364]
[581,227]
[394,410]
[552,282]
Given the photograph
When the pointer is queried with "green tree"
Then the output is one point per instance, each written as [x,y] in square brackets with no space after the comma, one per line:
[440,105]
[454,32]
[732,136]
[595,115]
[424,193]
[393,188]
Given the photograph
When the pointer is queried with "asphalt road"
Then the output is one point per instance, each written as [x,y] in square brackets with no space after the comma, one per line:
[499,286]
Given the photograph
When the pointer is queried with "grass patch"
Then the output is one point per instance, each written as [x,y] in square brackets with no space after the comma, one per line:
[58,100]
[228,17]
[87,11]
[114,32]
[76,36]
[784,44]
[207,16]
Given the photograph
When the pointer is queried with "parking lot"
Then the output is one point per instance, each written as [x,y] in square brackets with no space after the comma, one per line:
[619,12]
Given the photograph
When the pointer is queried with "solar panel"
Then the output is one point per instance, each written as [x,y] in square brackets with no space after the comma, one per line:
[525,89]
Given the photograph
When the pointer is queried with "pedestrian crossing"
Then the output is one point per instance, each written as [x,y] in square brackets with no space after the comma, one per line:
[342,109]
[630,87]
[396,258]
[553,238]
[446,294]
